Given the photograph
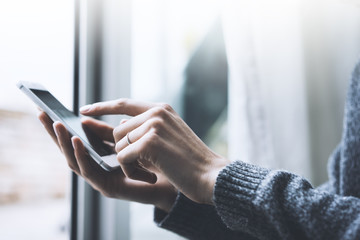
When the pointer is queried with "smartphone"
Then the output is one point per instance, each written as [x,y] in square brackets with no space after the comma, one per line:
[101,152]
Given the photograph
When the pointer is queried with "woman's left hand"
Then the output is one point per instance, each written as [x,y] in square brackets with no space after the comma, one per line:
[112,184]
[157,136]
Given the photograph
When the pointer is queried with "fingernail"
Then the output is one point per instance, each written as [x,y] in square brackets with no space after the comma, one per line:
[86,108]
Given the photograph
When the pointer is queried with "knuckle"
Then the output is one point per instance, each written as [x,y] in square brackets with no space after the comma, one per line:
[121,102]
[163,110]
[158,112]
[117,147]
[166,107]
[116,133]
[151,141]
[120,157]
[156,123]
[95,106]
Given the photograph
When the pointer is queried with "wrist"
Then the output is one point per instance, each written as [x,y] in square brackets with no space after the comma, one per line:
[167,199]
[211,179]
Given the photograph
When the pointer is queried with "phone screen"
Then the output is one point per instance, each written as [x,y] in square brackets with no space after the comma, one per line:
[74,122]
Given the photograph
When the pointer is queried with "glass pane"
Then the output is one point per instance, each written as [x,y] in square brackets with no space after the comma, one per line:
[178,57]
[36,45]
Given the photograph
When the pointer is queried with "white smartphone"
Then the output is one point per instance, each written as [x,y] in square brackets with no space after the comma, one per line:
[102,153]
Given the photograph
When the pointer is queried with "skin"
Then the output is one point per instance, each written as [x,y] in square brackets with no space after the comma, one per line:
[111,184]
[165,155]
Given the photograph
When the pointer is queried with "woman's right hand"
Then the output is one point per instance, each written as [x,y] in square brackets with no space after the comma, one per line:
[111,184]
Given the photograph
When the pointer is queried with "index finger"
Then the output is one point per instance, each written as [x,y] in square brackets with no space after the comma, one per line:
[48,124]
[125,106]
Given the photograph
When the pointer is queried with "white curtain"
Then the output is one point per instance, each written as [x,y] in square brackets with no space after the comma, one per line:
[289,64]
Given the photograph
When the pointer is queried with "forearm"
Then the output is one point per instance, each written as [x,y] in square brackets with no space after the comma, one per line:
[279,205]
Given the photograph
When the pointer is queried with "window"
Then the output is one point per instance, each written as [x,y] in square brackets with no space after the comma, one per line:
[126,50]
[151,51]
[36,45]
[178,57]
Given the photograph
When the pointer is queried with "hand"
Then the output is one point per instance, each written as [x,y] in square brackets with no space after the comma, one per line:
[160,138]
[111,184]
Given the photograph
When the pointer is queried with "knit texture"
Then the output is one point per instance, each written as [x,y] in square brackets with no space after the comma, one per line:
[350,146]
[251,202]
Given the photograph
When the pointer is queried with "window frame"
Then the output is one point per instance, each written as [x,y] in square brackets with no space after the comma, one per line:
[94,216]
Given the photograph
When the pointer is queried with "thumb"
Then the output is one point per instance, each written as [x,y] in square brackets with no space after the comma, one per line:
[100,128]
[120,106]
[137,172]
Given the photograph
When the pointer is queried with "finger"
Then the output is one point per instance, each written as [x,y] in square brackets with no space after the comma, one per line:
[120,131]
[93,174]
[66,146]
[157,113]
[122,121]
[88,169]
[129,107]
[128,159]
[131,153]
[136,172]
[48,124]
[100,128]
[135,134]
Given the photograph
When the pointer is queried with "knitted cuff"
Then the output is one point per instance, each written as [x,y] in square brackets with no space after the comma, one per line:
[234,192]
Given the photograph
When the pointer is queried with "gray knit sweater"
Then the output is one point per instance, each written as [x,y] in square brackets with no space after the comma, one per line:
[257,203]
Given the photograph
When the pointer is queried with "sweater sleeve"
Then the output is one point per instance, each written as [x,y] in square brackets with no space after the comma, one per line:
[349,177]
[343,165]
[280,205]
[256,203]
[196,221]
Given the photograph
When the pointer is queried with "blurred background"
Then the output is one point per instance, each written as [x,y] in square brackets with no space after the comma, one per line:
[260,81]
